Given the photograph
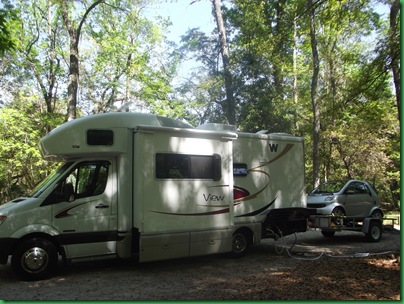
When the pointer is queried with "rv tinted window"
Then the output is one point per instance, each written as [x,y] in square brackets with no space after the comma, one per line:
[100,137]
[184,166]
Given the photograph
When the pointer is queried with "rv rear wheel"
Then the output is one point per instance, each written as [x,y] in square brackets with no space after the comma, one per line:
[34,259]
[240,244]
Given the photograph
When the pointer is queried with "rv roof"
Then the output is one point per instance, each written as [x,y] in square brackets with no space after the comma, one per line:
[217,127]
[70,139]
[126,120]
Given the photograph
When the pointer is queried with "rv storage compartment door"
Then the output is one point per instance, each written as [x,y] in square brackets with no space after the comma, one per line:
[163,246]
[213,241]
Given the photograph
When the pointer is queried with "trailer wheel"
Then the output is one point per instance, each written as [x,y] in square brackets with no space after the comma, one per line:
[374,233]
[240,244]
[34,259]
[328,233]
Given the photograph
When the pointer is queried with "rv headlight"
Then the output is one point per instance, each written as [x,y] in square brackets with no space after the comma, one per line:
[329,198]
[2,219]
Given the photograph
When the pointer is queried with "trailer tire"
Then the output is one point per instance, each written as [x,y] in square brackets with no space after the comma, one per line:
[374,233]
[328,233]
[34,259]
[240,243]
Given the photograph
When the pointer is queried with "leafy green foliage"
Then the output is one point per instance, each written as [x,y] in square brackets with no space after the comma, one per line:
[272,66]
[8,17]
[21,165]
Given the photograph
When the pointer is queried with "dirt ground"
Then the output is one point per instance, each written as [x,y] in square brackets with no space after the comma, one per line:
[302,267]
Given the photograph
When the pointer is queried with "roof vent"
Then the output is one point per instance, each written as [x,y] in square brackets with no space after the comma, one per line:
[217,127]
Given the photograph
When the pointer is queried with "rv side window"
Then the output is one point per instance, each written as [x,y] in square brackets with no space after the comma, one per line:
[240,170]
[87,179]
[185,166]
[90,179]
[100,137]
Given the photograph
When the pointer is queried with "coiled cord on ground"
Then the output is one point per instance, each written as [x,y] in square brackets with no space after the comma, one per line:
[281,246]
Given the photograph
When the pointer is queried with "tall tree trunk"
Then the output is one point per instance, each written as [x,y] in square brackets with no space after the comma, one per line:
[52,60]
[394,46]
[74,36]
[230,105]
[279,55]
[314,101]
[295,83]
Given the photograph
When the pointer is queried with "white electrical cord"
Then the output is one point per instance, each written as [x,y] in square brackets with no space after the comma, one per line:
[280,246]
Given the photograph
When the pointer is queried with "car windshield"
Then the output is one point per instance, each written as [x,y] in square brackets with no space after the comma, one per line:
[329,187]
[41,187]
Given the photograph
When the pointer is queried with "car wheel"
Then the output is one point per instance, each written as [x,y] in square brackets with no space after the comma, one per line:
[374,233]
[34,259]
[377,214]
[338,213]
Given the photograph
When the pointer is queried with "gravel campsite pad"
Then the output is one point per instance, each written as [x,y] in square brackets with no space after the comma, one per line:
[305,266]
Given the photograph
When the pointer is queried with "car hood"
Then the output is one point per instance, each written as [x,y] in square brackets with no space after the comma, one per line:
[318,198]
[18,204]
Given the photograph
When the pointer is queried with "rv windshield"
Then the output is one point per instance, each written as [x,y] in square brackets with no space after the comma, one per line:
[41,187]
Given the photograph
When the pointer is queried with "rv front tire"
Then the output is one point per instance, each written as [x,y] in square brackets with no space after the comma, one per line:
[34,259]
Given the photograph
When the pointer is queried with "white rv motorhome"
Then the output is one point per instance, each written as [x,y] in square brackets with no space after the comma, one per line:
[135,184]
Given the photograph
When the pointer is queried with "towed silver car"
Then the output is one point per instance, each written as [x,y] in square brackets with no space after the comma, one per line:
[353,198]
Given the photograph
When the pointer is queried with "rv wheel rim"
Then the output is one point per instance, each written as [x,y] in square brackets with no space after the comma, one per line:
[239,243]
[34,259]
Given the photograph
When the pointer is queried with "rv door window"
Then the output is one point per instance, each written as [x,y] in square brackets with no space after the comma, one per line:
[85,180]
[185,166]
[91,179]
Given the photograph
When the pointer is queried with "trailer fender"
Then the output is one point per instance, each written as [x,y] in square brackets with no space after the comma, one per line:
[366,223]
[373,229]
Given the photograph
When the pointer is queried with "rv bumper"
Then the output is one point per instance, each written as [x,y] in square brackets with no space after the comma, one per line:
[6,244]
[285,221]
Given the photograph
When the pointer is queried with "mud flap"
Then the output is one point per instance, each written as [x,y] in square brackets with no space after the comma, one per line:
[285,221]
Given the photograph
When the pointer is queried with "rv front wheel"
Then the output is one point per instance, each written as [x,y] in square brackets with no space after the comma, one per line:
[34,259]
[240,244]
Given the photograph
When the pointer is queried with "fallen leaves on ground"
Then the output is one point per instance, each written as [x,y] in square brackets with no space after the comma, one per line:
[328,278]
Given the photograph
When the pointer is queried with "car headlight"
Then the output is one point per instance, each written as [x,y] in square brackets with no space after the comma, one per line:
[329,198]
[2,219]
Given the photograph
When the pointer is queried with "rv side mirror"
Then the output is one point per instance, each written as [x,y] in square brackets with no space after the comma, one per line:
[217,167]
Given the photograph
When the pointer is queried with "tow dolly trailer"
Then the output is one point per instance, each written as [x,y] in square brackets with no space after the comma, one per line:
[329,224]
